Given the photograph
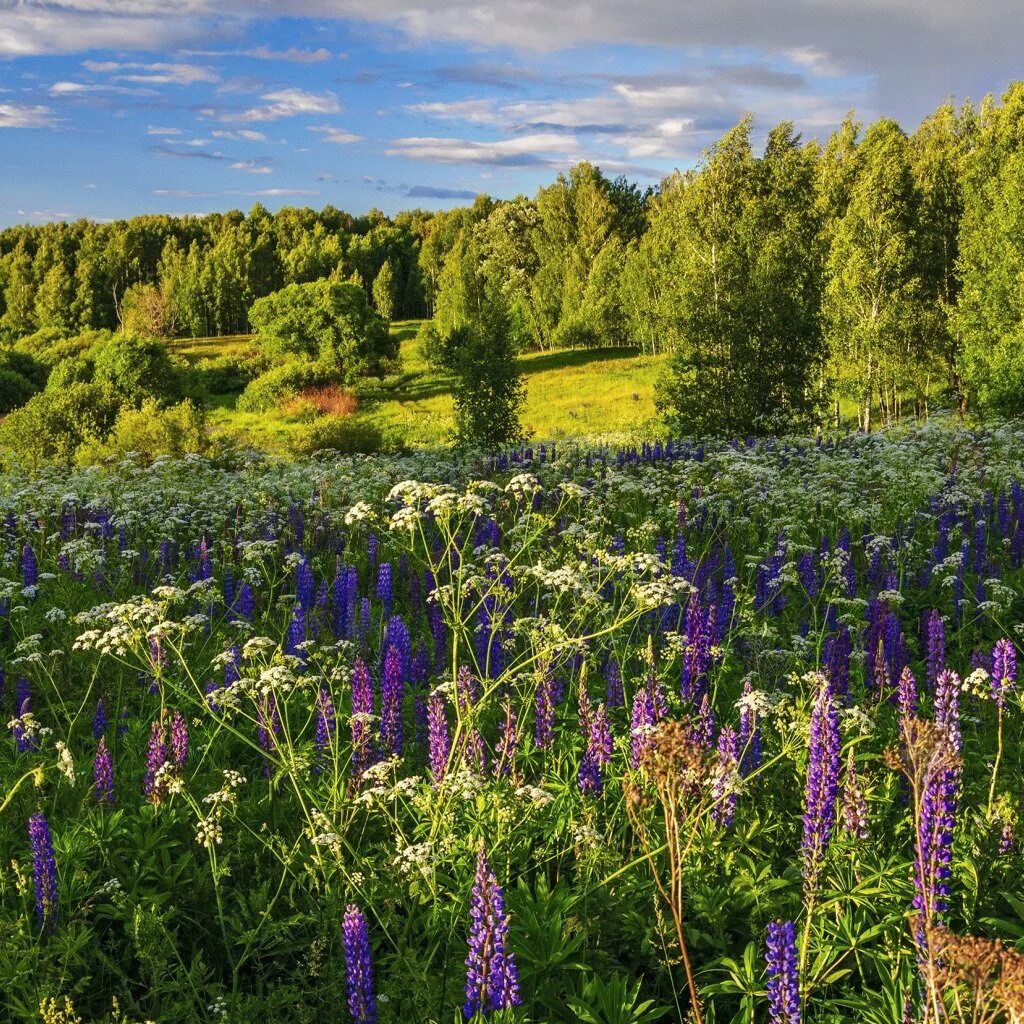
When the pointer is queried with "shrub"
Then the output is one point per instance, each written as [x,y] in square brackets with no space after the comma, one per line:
[348,435]
[25,365]
[228,374]
[15,390]
[328,321]
[52,425]
[137,369]
[284,381]
[52,345]
[151,431]
[71,371]
[325,401]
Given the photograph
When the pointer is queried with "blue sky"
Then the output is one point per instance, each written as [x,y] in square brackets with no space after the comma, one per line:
[110,108]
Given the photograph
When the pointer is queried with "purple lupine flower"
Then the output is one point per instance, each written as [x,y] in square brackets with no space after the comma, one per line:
[836,657]
[935,637]
[855,806]
[1004,670]
[24,739]
[268,725]
[305,585]
[179,740]
[362,1004]
[44,870]
[363,627]
[1007,840]
[822,783]
[508,741]
[325,726]
[392,699]
[723,791]
[906,694]
[783,980]
[947,706]
[296,634]
[103,774]
[936,822]
[156,756]
[440,743]
[99,720]
[492,979]
[245,603]
[544,713]
[613,673]
[750,733]
[29,567]
[589,775]
[467,689]
[385,588]
[642,719]
[697,655]
[600,735]
[362,712]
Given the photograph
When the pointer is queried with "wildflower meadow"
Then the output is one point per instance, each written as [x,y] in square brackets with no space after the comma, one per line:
[723,733]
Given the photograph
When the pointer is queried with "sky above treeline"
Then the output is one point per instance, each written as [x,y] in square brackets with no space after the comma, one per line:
[111,108]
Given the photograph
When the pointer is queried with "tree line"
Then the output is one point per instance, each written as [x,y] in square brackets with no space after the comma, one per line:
[878,272]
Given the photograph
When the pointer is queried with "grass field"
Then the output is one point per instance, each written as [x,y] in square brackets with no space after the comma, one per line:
[568,394]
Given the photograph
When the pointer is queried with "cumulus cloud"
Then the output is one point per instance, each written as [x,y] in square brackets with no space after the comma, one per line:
[157,73]
[540,150]
[25,115]
[438,192]
[337,135]
[250,167]
[288,103]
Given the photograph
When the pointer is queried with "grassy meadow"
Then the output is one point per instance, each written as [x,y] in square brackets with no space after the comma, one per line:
[569,393]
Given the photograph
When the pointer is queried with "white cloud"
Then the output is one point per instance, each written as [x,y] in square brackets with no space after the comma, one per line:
[157,73]
[521,151]
[288,103]
[84,89]
[268,192]
[250,167]
[25,115]
[338,135]
[151,130]
[479,111]
[248,134]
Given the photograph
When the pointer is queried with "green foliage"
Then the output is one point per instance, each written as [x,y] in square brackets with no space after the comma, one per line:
[228,374]
[384,286]
[24,364]
[283,381]
[15,389]
[136,369]
[327,321]
[151,431]
[346,435]
[51,345]
[487,383]
[736,247]
[53,424]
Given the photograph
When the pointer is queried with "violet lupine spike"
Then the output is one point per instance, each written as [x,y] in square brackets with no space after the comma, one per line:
[392,700]
[44,871]
[906,695]
[492,979]
[935,828]
[385,588]
[589,775]
[641,726]
[156,756]
[179,740]
[855,805]
[103,774]
[947,707]
[268,725]
[362,714]
[362,1003]
[723,790]
[935,642]
[467,689]
[1007,840]
[1004,670]
[783,979]
[544,713]
[822,783]
[29,567]
[325,726]
[99,719]
[600,735]
[305,585]
[614,697]
[439,739]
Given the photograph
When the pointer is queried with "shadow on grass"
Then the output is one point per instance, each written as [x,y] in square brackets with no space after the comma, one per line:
[569,358]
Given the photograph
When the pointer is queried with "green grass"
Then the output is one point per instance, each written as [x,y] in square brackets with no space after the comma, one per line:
[568,394]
